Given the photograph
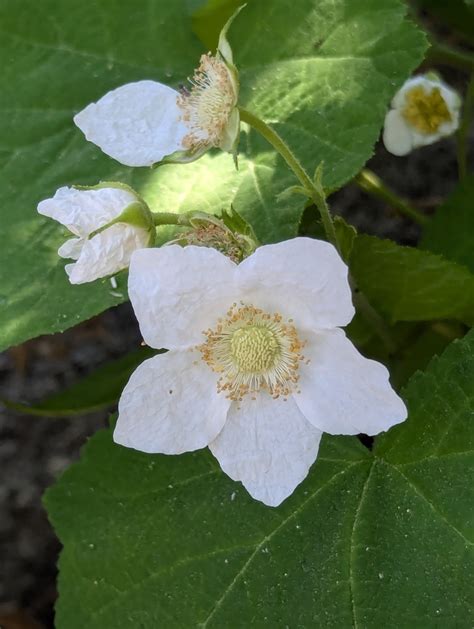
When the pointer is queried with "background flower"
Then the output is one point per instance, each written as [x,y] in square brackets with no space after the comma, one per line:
[424,110]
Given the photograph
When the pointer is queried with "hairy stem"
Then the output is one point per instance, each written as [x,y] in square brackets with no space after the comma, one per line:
[372,184]
[314,192]
[170,218]
[446,55]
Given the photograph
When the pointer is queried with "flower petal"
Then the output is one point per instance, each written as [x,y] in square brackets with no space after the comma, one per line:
[71,248]
[170,405]
[84,211]
[341,392]
[137,124]
[177,293]
[268,445]
[397,135]
[302,279]
[399,100]
[108,252]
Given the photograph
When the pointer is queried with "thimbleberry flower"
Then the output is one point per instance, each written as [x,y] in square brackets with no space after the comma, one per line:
[109,223]
[143,123]
[423,111]
[257,368]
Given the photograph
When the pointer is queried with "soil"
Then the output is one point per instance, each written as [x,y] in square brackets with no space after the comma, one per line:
[34,451]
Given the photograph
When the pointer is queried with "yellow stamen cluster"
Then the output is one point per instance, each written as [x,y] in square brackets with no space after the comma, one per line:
[253,350]
[208,106]
[216,237]
[426,111]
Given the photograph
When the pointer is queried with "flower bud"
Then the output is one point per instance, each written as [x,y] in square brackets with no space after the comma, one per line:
[109,222]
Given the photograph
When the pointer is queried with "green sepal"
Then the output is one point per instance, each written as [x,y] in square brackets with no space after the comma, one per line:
[432,75]
[182,157]
[223,47]
[137,213]
[238,225]
[230,222]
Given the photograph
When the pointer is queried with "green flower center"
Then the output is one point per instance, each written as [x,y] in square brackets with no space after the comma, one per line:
[254,349]
[426,111]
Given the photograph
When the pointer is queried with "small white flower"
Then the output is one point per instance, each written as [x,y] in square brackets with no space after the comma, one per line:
[424,110]
[140,124]
[257,366]
[109,223]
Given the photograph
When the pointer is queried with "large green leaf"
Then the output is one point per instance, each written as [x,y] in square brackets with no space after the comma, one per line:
[322,71]
[368,540]
[451,230]
[407,284]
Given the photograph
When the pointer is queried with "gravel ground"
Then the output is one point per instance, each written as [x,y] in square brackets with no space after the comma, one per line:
[34,451]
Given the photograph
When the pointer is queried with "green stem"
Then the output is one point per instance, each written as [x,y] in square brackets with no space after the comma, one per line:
[368,312]
[446,55]
[315,193]
[170,218]
[372,184]
[462,136]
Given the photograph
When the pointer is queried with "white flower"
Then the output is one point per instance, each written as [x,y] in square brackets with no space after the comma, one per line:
[257,366]
[140,124]
[424,110]
[109,223]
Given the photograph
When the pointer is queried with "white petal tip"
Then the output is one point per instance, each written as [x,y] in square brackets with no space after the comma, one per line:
[397,137]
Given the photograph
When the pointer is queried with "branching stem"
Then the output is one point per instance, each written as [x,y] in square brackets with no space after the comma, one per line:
[314,191]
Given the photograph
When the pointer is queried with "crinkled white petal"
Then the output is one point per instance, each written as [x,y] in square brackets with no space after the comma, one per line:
[424,139]
[344,393]
[71,248]
[177,293]
[268,445]
[138,124]
[108,252]
[84,211]
[69,268]
[397,134]
[303,279]
[170,405]
[452,99]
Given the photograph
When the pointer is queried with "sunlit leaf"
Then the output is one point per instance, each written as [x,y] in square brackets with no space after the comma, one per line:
[322,72]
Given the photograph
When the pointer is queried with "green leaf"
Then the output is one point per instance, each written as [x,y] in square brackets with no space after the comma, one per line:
[371,541]
[407,284]
[209,19]
[96,391]
[322,74]
[451,230]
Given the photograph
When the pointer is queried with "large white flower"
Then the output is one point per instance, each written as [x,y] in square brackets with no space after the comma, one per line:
[258,367]
[109,223]
[424,110]
[142,123]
